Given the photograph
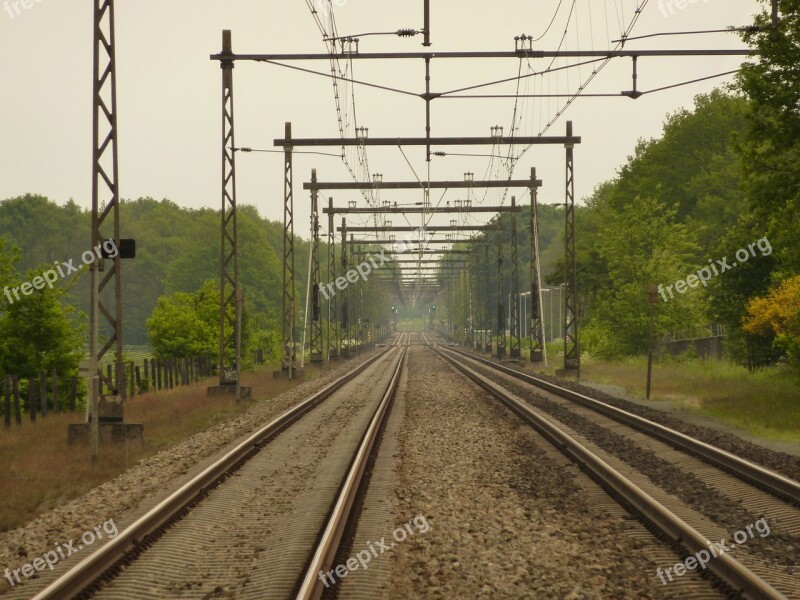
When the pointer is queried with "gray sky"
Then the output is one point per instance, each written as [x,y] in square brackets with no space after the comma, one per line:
[169,92]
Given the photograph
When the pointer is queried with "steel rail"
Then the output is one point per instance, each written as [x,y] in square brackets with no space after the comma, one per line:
[728,569]
[86,572]
[775,483]
[342,513]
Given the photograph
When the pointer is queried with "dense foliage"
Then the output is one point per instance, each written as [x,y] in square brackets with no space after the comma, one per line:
[37,331]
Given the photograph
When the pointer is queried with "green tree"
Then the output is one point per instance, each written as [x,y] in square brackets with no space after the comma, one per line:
[40,334]
[642,245]
[771,144]
[182,325]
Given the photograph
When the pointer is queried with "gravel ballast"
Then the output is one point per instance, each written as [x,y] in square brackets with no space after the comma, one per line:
[509,517]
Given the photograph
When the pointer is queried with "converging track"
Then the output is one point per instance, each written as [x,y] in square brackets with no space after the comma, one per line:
[549,493]
[607,448]
[265,518]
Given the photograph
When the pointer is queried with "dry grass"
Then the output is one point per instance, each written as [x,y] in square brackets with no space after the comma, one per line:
[40,471]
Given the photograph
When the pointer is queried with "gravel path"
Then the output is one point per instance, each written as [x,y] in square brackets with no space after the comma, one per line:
[509,516]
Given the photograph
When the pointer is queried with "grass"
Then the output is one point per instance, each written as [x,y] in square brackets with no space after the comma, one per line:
[40,471]
[766,403]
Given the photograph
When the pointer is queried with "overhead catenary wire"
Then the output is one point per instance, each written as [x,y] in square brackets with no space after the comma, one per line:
[499,164]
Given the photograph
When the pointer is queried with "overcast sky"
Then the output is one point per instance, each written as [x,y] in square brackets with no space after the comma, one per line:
[169,91]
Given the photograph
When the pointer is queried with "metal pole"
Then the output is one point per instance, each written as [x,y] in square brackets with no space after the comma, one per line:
[229,315]
[95,424]
[501,317]
[301,362]
[487,324]
[775,20]
[427,96]
[514,283]
[239,313]
[288,301]
[345,327]
[105,190]
[333,325]
[94,377]
[357,300]
[572,361]
[545,323]
[538,350]
[652,297]
[316,312]
[427,22]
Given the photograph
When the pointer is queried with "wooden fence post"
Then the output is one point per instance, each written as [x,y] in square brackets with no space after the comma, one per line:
[43,392]
[132,386]
[17,408]
[73,393]
[138,374]
[157,370]
[32,399]
[111,383]
[7,390]
[56,401]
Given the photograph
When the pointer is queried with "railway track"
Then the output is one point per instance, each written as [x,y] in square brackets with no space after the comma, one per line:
[283,507]
[196,531]
[774,497]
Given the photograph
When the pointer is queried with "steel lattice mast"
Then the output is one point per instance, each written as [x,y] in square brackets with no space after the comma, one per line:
[572,359]
[105,201]
[229,314]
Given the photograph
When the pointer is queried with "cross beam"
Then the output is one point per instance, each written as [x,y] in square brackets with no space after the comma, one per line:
[421,210]
[432,251]
[427,261]
[518,54]
[428,228]
[416,185]
[541,140]
[366,241]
